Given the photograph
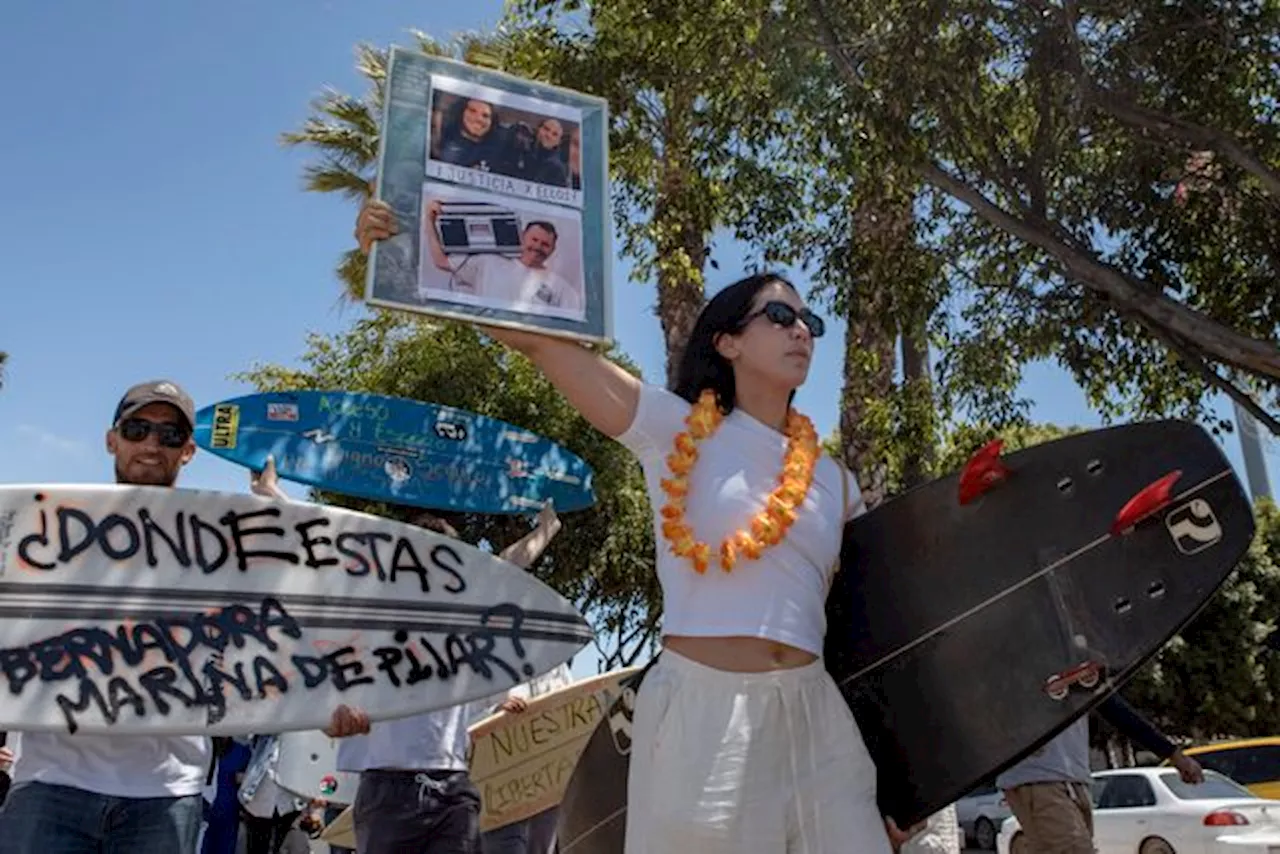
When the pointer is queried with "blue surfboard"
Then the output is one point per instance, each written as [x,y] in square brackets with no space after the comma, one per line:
[397,450]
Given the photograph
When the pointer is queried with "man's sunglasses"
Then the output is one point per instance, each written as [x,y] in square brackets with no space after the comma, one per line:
[169,435]
[784,315]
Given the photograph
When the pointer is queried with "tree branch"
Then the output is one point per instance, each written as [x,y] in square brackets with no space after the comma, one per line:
[1036,192]
[1193,360]
[1005,174]
[1223,343]
[1163,126]
[830,41]
[1153,123]
[626,659]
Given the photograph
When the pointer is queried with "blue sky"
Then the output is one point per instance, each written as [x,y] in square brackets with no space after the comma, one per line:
[153,225]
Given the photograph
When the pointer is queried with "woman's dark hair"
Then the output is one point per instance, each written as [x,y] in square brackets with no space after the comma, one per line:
[702,366]
[452,124]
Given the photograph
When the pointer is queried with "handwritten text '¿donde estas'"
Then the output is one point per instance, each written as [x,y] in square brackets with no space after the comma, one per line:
[236,538]
[104,666]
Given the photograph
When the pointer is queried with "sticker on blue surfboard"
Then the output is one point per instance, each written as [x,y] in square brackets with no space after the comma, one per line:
[397,450]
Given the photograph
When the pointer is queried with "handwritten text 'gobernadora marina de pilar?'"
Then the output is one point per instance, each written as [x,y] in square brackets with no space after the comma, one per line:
[159,655]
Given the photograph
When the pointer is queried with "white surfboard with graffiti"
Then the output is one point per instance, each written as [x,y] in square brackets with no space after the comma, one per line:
[133,610]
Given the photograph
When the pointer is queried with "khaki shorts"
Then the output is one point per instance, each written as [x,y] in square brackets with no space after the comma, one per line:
[1056,818]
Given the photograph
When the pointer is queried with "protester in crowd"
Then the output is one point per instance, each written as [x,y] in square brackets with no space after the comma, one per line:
[1049,791]
[415,790]
[85,794]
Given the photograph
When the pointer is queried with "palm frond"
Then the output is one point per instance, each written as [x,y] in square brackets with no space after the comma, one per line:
[371,62]
[352,270]
[333,177]
[346,109]
[431,46]
[345,145]
[488,50]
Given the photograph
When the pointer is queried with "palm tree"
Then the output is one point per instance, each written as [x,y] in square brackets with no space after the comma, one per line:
[4,357]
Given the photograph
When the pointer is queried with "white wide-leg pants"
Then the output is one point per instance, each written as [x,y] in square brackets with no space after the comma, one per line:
[748,763]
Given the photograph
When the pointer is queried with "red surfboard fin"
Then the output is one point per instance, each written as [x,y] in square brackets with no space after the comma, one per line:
[983,471]
[1152,498]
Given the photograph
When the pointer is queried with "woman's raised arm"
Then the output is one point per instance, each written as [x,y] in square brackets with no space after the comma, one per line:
[604,393]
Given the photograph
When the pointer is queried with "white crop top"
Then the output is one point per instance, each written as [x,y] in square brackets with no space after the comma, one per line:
[782,594]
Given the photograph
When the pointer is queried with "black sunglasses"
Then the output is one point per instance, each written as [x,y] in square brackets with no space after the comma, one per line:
[784,315]
[170,435]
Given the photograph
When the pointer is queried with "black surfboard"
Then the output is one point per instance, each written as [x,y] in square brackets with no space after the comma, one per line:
[977,616]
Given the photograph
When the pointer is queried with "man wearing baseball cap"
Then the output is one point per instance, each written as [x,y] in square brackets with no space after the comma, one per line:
[94,793]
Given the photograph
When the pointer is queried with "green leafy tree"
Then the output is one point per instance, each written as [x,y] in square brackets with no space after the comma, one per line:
[602,560]
[1054,142]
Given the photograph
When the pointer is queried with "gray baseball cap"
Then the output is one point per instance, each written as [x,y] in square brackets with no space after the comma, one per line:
[156,391]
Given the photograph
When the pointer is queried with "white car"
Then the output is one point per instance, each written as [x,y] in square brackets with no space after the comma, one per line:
[980,814]
[1151,811]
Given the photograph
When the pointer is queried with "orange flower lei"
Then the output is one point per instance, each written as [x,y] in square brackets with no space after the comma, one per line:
[770,525]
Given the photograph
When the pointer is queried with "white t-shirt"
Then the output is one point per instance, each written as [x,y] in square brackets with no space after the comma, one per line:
[122,766]
[495,279]
[781,595]
[432,741]
[553,680]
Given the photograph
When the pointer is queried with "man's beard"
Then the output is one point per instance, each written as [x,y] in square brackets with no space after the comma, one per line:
[161,478]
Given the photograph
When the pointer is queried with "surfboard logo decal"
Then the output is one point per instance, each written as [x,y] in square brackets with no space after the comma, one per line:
[521,501]
[398,469]
[451,430]
[226,425]
[282,412]
[1194,527]
[319,436]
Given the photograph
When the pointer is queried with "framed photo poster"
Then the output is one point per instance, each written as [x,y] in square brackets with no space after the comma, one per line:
[500,186]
